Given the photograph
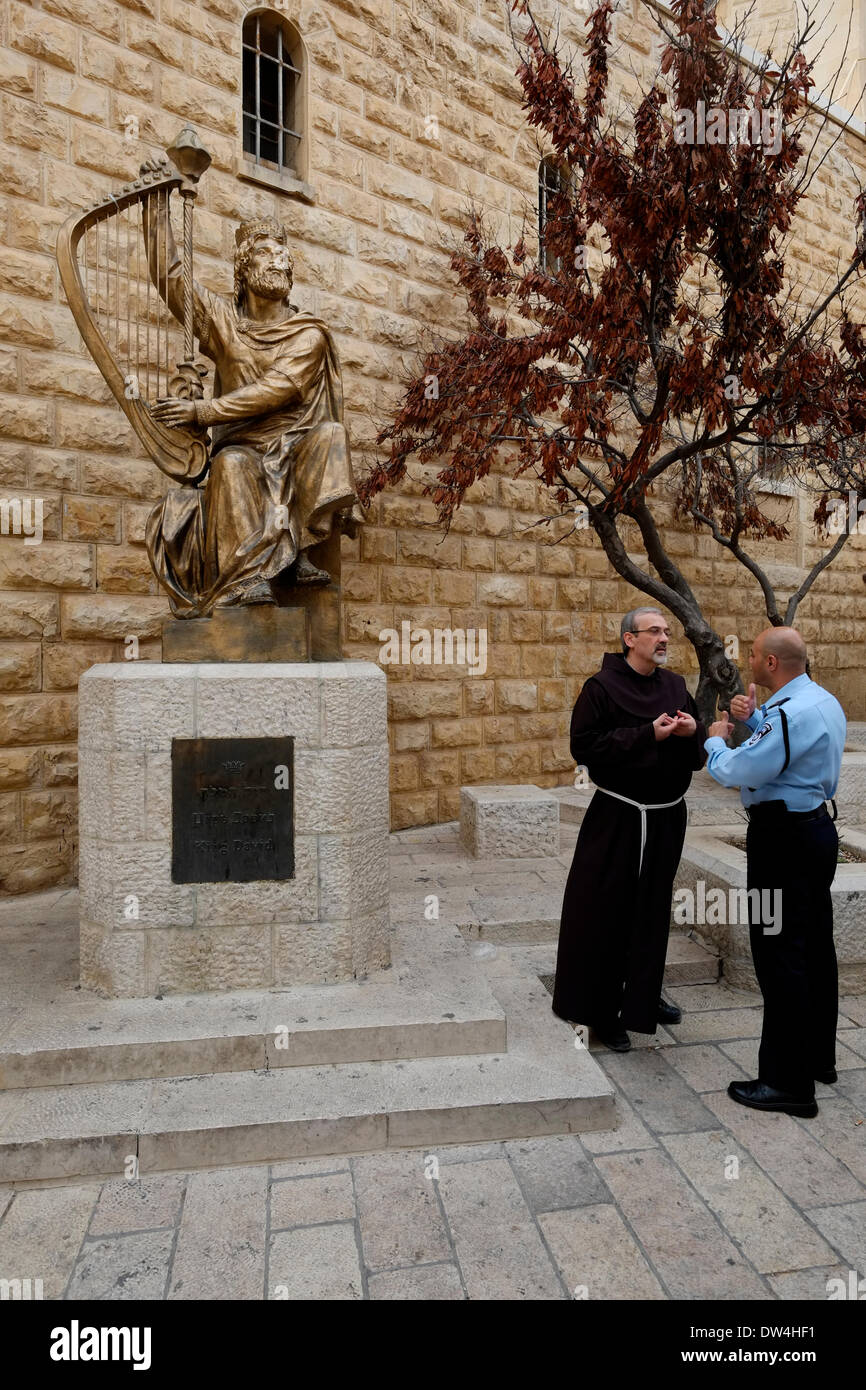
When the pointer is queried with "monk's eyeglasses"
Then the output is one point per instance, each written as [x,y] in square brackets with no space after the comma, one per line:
[654,630]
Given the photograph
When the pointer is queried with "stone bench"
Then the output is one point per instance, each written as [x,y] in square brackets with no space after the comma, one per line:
[514,822]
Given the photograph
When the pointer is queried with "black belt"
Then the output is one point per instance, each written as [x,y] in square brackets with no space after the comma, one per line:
[775,810]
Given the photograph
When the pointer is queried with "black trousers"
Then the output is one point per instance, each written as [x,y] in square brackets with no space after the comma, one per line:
[795,966]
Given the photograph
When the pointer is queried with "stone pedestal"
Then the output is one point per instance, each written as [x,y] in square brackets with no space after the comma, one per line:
[512,822]
[143,933]
[257,633]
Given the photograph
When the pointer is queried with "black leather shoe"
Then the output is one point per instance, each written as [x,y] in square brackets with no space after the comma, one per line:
[828,1077]
[760,1096]
[612,1035]
[669,1013]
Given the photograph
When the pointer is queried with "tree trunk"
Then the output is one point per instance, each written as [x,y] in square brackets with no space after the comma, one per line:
[719,678]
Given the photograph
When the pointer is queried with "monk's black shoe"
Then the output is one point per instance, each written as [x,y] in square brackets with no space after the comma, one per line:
[669,1013]
[828,1077]
[612,1035]
[760,1096]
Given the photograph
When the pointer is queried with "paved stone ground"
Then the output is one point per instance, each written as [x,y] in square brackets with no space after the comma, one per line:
[478,894]
[692,1197]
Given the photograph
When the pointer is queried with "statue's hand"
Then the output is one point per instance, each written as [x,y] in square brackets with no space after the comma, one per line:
[174,412]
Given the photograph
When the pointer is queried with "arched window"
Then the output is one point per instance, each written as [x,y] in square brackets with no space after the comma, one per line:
[272,92]
[549,182]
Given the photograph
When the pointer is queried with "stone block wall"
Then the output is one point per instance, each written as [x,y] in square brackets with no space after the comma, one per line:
[413,108]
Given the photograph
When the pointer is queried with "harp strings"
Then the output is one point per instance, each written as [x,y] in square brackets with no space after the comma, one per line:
[128,309]
[165,271]
[117,279]
[133,230]
[160,277]
[164,201]
[147,343]
[127,236]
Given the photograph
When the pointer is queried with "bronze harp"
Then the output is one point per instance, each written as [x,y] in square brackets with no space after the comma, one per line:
[131,335]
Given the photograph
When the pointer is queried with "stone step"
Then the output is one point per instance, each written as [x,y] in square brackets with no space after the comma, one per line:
[543,1084]
[432,1002]
[851,791]
[516,919]
[688,962]
[255,1117]
[526,918]
[573,802]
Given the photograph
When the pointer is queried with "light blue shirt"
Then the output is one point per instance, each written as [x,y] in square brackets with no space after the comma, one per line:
[816,735]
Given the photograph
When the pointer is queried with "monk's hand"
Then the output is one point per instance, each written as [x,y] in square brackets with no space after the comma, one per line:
[686,725]
[722,728]
[664,726]
[172,411]
[743,706]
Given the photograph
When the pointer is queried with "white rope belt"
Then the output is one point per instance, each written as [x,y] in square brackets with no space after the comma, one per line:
[650,806]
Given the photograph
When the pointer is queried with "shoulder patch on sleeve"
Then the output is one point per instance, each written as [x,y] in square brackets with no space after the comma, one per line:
[759,734]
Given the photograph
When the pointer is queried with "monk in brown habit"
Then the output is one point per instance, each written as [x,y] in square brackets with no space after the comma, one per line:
[635,728]
[279,469]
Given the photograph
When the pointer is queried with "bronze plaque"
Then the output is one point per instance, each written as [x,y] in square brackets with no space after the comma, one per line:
[232,809]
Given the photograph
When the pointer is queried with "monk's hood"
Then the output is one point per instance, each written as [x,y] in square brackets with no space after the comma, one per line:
[645,697]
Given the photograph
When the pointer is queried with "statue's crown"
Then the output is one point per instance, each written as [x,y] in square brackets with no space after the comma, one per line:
[265,227]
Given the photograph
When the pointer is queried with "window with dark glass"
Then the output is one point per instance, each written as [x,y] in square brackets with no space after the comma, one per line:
[271,73]
[549,183]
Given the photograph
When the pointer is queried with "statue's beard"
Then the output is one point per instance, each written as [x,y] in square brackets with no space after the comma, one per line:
[270,284]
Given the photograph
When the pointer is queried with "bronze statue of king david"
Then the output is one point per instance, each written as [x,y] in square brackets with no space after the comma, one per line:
[279,460]
[276,477]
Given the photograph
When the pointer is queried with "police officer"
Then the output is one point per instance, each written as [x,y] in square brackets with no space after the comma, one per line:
[787,770]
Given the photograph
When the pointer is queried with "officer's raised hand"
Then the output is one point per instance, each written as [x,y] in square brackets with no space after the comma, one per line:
[722,728]
[743,706]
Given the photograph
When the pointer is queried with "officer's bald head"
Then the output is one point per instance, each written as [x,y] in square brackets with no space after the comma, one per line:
[786,645]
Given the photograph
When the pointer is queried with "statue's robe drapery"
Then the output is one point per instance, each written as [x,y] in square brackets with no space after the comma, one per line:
[280,465]
[616,915]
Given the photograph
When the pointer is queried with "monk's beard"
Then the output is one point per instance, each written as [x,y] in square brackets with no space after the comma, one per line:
[270,284]
[660,658]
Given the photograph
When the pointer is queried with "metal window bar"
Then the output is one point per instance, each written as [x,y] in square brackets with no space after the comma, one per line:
[549,181]
[283,132]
